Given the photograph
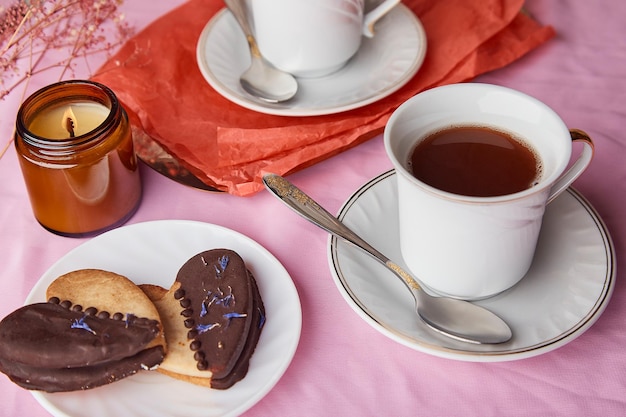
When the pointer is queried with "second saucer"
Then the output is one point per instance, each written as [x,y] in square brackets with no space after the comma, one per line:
[382,65]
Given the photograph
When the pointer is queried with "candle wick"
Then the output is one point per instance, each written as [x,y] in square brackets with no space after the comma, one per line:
[69,125]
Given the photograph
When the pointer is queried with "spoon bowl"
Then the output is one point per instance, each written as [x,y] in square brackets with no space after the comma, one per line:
[457,319]
[262,80]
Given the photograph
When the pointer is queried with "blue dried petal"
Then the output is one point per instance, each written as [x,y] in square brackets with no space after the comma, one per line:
[80,324]
[203,328]
[230,316]
[210,301]
[217,298]
[128,318]
[226,300]
[224,262]
[262,321]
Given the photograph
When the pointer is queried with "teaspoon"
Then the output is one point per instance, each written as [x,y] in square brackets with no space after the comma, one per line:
[458,319]
[261,79]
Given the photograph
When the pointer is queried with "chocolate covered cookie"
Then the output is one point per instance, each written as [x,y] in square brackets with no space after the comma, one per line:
[213,316]
[98,327]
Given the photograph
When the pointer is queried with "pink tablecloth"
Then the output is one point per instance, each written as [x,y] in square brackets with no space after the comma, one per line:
[343,366]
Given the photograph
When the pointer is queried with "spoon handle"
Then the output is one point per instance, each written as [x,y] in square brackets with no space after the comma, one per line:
[239,10]
[308,208]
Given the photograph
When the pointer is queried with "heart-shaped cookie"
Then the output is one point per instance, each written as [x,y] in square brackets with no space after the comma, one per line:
[97,328]
[213,316]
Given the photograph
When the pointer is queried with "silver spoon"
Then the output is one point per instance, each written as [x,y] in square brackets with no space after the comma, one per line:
[458,319]
[261,79]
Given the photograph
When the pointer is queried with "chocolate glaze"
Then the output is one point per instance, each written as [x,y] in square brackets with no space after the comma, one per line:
[41,335]
[52,347]
[241,367]
[216,288]
[81,378]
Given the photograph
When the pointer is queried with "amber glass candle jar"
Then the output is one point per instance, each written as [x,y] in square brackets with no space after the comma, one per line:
[75,149]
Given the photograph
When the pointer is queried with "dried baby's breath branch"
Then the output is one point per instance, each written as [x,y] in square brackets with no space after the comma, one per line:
[78,29]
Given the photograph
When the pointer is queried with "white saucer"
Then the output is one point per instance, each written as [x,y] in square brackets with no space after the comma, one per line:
[152,252]
[382,65]
[563,294]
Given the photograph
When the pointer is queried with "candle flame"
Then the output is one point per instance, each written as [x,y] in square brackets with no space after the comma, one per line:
[69,122]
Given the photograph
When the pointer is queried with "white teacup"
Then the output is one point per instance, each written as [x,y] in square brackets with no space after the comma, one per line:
[313,38]
[475,247]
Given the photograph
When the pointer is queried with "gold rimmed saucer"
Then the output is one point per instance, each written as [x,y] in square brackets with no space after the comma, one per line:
[563,294]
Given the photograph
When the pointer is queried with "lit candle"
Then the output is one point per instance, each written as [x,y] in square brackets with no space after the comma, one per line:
[75,148]
[68,120]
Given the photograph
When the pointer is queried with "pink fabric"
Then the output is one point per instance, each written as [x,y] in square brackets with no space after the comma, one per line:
[342,366]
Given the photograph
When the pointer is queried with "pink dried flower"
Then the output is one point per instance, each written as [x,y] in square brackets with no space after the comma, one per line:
[30,29]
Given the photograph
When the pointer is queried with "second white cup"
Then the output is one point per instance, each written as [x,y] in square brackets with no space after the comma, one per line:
[313,38]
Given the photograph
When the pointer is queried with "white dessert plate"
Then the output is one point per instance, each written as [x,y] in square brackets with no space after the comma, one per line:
[564,293]
[152,252]
[382,65]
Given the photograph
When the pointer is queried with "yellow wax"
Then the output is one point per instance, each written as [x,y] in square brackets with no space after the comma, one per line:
[51,123]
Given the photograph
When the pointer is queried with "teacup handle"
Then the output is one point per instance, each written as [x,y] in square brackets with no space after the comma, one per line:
[578,167]
[370,19]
